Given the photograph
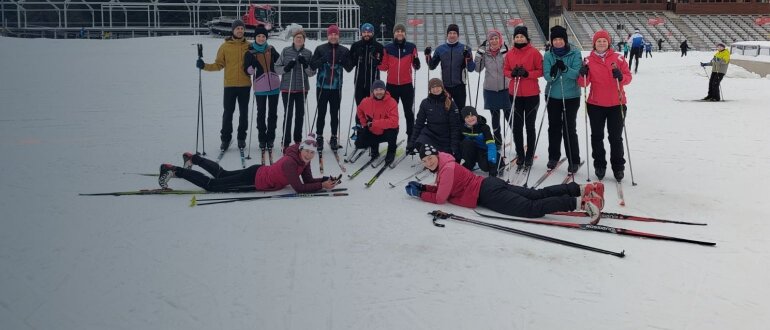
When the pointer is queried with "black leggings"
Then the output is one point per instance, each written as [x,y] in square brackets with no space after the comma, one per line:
[330,98]
[222,180]
[496,124]
[267,105]
[558,128]
[714,82]
[405,93]
[230,96]
[613,118]
[525,112]
[293,103]
[497,195]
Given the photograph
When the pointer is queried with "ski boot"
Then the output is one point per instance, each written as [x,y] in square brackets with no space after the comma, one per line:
[166,173]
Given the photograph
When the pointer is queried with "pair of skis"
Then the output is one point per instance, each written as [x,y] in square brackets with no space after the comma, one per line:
[212,201]
[167,191]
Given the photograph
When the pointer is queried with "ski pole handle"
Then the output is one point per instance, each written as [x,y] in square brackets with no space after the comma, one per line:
[200,51]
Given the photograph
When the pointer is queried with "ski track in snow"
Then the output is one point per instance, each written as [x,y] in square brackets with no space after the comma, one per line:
[78,113]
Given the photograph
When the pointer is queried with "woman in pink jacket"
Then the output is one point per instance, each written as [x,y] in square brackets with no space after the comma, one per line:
[293,166]
[607,72]
[457,185]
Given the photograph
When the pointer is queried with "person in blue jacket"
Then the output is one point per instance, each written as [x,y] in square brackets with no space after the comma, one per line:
[478,146]
[562,64]
[455,58]
[637,47]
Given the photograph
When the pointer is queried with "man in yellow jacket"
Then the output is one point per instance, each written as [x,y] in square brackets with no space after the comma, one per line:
[719,64]
[237,84]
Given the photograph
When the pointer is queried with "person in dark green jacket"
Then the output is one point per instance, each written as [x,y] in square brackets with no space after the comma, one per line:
[561,65]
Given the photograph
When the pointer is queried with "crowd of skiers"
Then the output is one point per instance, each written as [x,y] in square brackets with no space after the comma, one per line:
[446,130]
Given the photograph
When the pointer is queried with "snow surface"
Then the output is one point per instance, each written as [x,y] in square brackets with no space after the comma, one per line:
[77,114]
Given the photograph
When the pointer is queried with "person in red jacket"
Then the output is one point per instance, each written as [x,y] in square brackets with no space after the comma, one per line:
[607,72]
[293,166]
[457,185]
[378,115]
[400,61]
[524,64]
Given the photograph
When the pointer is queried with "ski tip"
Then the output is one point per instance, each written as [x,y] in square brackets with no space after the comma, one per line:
[622,254]
[391,185]
[193,201]
[622,203]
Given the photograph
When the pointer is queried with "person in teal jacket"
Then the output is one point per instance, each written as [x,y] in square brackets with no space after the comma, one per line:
[563,94]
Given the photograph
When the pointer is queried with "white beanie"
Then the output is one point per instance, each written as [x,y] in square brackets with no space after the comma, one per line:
[309,143]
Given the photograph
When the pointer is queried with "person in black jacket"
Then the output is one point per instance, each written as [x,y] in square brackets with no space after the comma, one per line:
[684,47]
[259,62]
[438,122]
[329,59]
[365,54]
[478,144]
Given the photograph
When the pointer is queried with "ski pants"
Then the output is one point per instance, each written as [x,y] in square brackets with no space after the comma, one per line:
[473,155]
[222,180]
[458,95]
[559,126]
[267,105]
[636,52]
[525,112]
[367,139]
[684,52]
[294,108]
[230,96]
[330,98]
[599,116]
[499,196]
[405,93]
[647,52]
[714,82]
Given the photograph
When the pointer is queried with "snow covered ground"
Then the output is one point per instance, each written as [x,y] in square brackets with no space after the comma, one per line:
[77,114]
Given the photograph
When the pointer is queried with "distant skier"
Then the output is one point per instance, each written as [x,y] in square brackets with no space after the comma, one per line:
[719,64]
[660,44]
[292,169]
[684,47]
[637,47]
[457,185]
[237,84]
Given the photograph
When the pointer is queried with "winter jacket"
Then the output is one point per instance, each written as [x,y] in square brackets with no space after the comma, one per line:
[383,113]
[684,46]
[494,78]
[648,47]
[573,60]
[363,55]
[637,40]
[261,65]
[438,124]
[532,61]
[286,171]
[298,80]
[481,135]
[452,61]
[604,88]
[329,60]
[397,62]
[454,184]
[230,58]
[720,61]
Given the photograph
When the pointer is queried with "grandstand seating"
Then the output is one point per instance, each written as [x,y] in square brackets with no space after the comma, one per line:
[726,29]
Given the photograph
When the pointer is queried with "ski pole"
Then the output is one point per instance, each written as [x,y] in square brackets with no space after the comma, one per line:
[199,126]
[251,127]
[512,110]
[537,139]
[625,131]
[287,106]
[568,147]
[478,84]
[585,113]
[352,109]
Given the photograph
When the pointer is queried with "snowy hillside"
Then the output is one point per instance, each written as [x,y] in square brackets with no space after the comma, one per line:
[76,115]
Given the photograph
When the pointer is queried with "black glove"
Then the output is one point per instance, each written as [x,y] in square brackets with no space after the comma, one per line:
[523,72]
[617,74]
[302,60]
[428,50]
[288,66]
[416,63]
[554,71]
[583,70]
[466,53]
[560,64]
[376,58]
[200,64]
[515,72]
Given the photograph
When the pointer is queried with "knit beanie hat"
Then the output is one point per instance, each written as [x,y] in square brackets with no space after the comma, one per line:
[453,27]
[378,84]
[559,32]
[521,29]
[260,29]
[235,24]
[435,82]
[399,27]
[309,143]
[601,34]
[493,33]
[367,27]
[468,111]
[299,31]
[427,150]
[332,29]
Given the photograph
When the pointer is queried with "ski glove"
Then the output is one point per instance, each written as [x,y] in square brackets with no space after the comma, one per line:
[492,154]
[703,64]
[466,54]
[410,149]
[200,64]
[428,50]
[583,70]
[302,60]
[617,74]
[560,64]
[289,66]
[416,63]
[413,190]
[554,71]
[523,72]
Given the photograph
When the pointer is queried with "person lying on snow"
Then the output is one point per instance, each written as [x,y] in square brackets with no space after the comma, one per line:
[457,185]
[293,166]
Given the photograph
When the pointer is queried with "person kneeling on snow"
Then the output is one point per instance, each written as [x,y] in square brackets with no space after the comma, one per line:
[478,144]
[288,170]
[457,185]
[378,115]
